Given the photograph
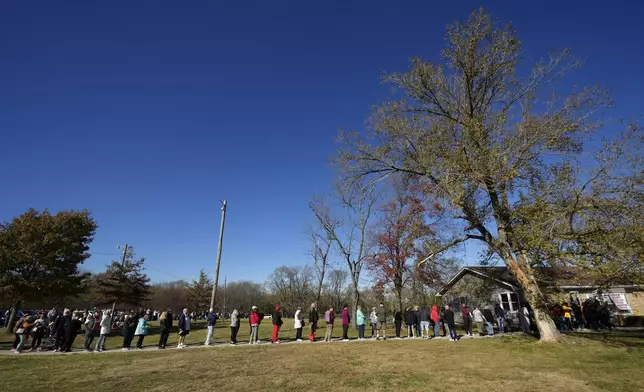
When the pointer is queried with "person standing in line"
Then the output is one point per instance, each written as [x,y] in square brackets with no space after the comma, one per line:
[500,317]
[467,320]
[373,319]
[298,324]
[448,317]
[38,332]
[423,316]
[436,318]
[346,320]
[441,314]
[73,331]
[409,320]
[129,327]
[567,316]
[524,318]
[313,320]
[479,319]
[164,319]
[277,324]
[417,320]
[90,323]
[382,322]
[184,328]
[106,324]
[212,320]
[141,330]
[329,319]
[487,313]
[234,326]
[398,322]
[254,325]
[60,328]
[360,323]
[21,329]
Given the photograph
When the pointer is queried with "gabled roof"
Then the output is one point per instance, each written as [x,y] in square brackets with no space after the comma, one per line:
[500,275]
[563,278]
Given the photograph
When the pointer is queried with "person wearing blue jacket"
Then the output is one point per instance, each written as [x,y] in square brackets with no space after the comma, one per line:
[141,330]
[360,322]
[212,319]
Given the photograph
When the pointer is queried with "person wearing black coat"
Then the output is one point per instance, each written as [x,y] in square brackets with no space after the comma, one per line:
[129,327]
[313,321]
[60,328]
[165,322]
[72,330]
[489,319]
[409,320]
[448,318]
[398,322]
[277,324]
[417,320]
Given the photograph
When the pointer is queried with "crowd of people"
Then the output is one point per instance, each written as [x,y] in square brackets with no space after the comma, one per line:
[58,330]
[593,313]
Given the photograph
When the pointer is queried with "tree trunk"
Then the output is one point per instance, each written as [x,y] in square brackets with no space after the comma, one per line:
[399,295]
[521,268]
[12,317]
[356,301]
[320,283]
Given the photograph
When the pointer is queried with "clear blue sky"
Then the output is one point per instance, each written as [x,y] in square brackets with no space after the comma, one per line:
[148,112]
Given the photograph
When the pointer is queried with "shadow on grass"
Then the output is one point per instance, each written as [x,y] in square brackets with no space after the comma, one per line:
[616,338]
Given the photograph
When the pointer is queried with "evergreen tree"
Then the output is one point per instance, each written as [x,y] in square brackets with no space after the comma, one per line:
[199,292]
[125,283]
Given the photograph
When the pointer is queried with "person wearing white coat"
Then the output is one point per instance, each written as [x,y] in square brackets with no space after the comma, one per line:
[373,318]
[299,324]
[479,319]
[106,323]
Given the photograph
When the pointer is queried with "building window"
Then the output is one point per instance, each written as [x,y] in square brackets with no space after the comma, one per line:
[509,301]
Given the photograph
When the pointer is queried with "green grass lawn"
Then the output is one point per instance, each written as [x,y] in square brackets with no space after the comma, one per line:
[499,364]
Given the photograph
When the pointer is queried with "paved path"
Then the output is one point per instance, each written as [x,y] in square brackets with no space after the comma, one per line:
[244,344]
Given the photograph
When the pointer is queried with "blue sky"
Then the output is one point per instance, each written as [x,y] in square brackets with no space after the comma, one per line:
[149,112]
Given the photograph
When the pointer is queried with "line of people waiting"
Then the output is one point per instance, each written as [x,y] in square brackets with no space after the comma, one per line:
[420,323]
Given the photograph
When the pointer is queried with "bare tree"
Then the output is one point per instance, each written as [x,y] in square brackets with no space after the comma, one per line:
[336,289]
[321,244]
[291,286]
[349,236]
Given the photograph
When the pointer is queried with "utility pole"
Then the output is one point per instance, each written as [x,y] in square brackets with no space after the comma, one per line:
[122,264]
[224,312]
[221,240]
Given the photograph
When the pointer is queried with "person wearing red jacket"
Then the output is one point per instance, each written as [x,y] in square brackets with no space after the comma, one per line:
[436,318]
[254,325]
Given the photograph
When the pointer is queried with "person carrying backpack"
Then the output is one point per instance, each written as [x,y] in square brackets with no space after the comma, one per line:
[329,319]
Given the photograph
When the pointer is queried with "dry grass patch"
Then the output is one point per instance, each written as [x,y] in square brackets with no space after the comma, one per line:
[508,364]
